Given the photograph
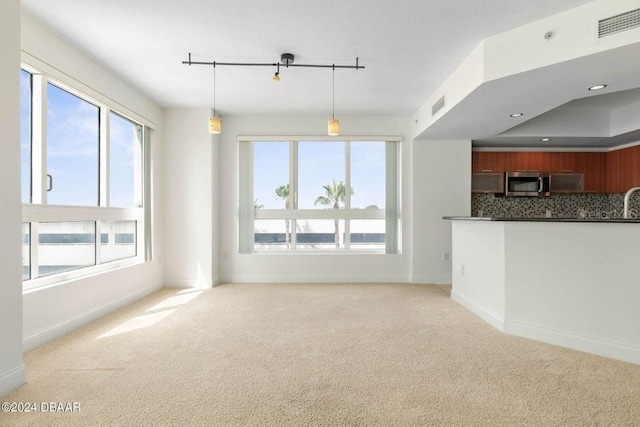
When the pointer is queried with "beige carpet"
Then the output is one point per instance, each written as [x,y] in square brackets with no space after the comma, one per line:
[322,354]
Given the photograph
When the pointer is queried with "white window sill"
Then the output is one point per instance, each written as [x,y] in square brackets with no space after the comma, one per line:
[34,285]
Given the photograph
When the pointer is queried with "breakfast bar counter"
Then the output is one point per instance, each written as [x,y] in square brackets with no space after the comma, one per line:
[570,282]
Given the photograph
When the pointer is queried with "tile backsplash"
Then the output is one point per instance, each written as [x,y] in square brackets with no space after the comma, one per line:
[588,205]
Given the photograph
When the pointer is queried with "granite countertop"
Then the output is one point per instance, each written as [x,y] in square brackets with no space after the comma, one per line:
[543,219]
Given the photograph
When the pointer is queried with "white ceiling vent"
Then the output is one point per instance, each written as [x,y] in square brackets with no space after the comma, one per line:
[437,106]
[619,23]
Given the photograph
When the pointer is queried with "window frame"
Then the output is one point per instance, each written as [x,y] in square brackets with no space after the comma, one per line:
[391,212]
[38,211]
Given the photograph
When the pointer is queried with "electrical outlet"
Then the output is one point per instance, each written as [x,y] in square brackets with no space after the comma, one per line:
[445,256]
[462,269]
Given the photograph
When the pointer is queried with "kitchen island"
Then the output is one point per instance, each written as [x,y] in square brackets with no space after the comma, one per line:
[569,282]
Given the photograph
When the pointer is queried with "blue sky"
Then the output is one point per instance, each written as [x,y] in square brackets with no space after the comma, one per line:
[318,163]
[72,150]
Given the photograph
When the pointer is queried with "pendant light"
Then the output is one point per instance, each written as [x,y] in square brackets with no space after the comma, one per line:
[276,76]
[333,126]
[215,124]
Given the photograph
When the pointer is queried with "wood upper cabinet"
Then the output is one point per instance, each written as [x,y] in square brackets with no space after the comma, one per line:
[595,172]
[529,162]
[567,162]
[503,161]
[594,166]
[611,172]
[490,161]
[623,169]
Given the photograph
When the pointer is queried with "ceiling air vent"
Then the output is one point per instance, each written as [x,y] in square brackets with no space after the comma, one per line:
[437,106]
[619,23]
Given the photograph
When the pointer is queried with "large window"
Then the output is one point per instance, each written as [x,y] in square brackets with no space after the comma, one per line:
[82,183]
[72,144]
[323,195]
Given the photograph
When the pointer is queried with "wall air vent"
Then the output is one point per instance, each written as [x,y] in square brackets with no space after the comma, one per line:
[619,23]
[437,106]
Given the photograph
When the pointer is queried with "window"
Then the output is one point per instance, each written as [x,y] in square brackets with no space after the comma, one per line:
[323,195]
[73,127]
[125,162]
[25,134]
[83,177]
[120,242]
[65,246]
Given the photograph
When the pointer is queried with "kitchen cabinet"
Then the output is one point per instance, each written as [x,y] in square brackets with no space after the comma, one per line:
[595,172]
[504,161]
[567,162]
[611,172]
[490,161]
[529,161]
[623,169]
[566,182]
[487,183]
[593,165]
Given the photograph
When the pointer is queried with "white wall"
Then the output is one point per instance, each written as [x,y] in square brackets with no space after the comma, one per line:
[190,170]
[442,186]
[235,267]
[12,371]
[53,311]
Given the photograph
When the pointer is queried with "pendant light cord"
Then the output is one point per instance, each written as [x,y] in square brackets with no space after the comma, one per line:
[214,89]
[333,91]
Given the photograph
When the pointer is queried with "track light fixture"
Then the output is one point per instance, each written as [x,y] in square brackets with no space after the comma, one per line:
[276,76]
[286,60]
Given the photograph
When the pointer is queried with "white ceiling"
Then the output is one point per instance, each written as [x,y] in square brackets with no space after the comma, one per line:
[407,46]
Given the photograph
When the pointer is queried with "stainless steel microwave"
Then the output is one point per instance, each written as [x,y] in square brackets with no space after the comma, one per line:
[531,184]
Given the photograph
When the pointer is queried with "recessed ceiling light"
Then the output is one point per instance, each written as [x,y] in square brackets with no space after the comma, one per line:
[545,139]
[516,114]
[597,87]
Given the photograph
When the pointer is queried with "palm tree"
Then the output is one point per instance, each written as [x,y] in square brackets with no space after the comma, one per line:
[282,193]
[335,194]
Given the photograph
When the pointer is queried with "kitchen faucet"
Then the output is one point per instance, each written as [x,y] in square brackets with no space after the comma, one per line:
[627,197]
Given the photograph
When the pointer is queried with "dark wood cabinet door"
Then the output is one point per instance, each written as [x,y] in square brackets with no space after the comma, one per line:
[489,161]
[595,168]
[569,162]
[529,161]
[623,169]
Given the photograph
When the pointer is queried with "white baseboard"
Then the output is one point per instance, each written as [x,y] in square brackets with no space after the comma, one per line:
[52,332]
[187,284]
[614,350]
[600,347]
[431,279]
[274,278]
[12,379]
[479,310]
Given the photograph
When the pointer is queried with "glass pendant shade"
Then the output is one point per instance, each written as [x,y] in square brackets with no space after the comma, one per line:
[215,124]
[333,127]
